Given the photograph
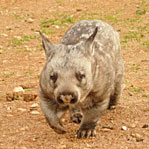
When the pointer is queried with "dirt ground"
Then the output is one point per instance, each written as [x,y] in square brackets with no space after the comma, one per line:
[22,59]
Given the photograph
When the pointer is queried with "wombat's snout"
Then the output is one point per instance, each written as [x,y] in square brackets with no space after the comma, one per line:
[68,98]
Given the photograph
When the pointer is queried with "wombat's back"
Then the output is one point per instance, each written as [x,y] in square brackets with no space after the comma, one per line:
[106,41]
[83,30]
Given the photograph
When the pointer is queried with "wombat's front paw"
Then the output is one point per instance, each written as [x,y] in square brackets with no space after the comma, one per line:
[86,130]
[85,133]
[77,117]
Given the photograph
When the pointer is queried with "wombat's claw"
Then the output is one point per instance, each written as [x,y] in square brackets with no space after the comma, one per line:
[86,133]
[76,118]
[59,129]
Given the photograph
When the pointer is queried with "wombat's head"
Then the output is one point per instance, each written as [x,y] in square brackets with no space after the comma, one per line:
[68,70]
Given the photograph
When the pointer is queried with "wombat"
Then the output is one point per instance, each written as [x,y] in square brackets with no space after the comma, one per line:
[83,74]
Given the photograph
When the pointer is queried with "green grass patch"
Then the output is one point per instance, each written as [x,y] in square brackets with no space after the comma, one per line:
[140,12]
[144,3]
[38,76]
[18,17]
[47,23]
[29,72]
[59,2]
[130,35]
[146,110]
[136,90]
[145,95]
[28,38]
[8,74]
[124,41]
[59,20]
[16,42]
[47,31]
[112,19]
[134,35]
[28,89]
[134,68]
[21,51]
[146,44]
[142,28]
[131,22]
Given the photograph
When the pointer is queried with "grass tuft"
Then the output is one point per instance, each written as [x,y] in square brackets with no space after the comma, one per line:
[16,42]
[140,12]
[137,90]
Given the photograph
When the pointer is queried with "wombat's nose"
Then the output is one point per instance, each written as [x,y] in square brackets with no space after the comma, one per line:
[67,98]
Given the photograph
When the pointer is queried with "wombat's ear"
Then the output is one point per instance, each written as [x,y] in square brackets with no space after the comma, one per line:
[47,45]
[89,42]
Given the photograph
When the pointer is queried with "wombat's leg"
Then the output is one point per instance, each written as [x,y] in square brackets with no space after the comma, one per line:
[76,114]
[91,118]
[53,115]
[114,98]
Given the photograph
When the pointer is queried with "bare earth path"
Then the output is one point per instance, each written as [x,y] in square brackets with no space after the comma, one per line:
[22,58]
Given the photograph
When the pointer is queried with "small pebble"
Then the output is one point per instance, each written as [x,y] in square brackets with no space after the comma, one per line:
[145,126]
[4,61]
[78,9]
[34,112]
[139,139]
[29,97]
[33,106]
[8,28]
[137,6]
[105,129]
[5,35]
[112,107]
[124,128]
[88,145]
[17,37]
[18,89]
[56,26]
[17,26]
[30,20]
[1,51]
[8,108]
[130,94]
[24,128]
[132,125]
[63,146]
[21,109]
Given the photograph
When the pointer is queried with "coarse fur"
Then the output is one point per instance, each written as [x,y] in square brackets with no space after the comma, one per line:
[84,73]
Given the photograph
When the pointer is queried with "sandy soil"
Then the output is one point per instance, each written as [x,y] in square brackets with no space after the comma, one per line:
[22,59]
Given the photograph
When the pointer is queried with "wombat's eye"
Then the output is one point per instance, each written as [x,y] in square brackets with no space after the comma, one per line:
[80,76]
[53,77]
